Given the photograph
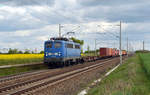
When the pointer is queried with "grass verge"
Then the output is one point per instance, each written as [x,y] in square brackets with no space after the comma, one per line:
[128,79]
[145,60]
[16,70]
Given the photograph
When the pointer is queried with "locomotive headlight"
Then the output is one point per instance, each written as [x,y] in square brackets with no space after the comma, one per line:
[49,53]
[59,53]
[56,53]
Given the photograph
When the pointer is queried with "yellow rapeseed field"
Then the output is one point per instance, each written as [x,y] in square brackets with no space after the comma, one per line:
[10,59]
[20,56]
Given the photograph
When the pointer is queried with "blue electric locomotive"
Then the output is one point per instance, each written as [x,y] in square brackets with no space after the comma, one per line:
[61,51]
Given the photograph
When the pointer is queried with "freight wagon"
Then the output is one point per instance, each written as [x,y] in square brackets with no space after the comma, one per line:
[109,52]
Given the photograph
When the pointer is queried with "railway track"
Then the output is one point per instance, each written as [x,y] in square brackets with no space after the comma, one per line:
[48,79]
[19,76]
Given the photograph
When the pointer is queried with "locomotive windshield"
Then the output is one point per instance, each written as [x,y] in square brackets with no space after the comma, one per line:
[57,45]
[69,45]
[77,46]
[48,45]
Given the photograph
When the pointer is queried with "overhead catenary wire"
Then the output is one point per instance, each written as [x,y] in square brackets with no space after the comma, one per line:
[108,32]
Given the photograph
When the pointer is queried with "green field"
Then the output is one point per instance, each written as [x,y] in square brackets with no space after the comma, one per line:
[145,59]
[131,78]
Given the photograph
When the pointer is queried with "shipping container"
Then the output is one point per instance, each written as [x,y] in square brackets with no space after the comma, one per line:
[110,51]
[113,52]
[118,53]
[104,52]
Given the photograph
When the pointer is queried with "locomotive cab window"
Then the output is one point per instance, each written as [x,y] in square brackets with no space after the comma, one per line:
[69,45]
[77,46]
[57,45]
[48,45]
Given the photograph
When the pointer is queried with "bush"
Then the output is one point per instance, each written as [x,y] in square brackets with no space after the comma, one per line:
[26,52]
[141,51]
[42,52]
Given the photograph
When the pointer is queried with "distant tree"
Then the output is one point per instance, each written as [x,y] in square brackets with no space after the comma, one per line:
[91,51]
[42,52]
[15,51]
[20,52]
[26,52]
[81,50]
[141,51]
[12,51]
[81,42]
[32,52]
[88,48]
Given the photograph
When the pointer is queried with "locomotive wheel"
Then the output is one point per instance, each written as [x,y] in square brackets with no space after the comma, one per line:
[50,65]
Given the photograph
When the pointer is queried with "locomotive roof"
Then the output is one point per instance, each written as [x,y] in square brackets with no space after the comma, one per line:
[61,39]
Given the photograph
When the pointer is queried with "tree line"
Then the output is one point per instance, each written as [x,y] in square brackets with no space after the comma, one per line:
[16,51]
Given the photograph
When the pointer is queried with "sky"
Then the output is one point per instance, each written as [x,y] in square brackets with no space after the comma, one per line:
[26,24]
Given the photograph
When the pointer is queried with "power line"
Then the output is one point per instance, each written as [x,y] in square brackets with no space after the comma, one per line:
[109,32]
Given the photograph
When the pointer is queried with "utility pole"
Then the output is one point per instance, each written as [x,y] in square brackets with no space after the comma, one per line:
[59,30]
[95,48]
[143,45]
[127,47]
[120,46]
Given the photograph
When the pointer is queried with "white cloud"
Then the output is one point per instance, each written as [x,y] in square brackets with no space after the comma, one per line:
[42,38]
[35,22]
[26,2]
[22,33]
[1,17]
[13,10]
